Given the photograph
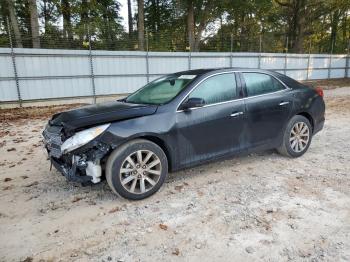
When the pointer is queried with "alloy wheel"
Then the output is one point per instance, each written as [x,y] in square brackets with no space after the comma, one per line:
[299,137]
[140,171]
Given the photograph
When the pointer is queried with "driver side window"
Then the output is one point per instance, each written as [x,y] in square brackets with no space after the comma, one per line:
[216,89]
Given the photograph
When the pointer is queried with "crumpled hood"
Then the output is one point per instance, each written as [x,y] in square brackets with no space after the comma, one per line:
[100,113]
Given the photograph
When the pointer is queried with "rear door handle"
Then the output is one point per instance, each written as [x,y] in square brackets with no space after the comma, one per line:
[235,114]
[283,103]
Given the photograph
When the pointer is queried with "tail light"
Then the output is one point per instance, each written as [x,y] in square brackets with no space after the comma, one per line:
[319,91]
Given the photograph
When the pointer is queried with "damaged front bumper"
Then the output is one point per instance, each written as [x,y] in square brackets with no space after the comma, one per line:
[69,172]
[82,165]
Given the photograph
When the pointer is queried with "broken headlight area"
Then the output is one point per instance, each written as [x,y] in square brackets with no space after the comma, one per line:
[78,157]
[83,137]
[83,166]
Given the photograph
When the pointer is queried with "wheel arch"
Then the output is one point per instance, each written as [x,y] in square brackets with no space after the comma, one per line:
[309,117]
[162,144]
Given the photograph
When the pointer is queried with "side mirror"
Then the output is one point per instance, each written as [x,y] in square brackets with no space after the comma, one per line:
[192,103]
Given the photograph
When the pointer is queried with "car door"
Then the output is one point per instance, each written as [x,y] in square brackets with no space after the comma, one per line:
[268,106]
[212,130]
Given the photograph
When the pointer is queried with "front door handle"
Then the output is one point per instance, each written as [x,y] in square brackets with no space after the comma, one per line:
[235,114]
[283,103]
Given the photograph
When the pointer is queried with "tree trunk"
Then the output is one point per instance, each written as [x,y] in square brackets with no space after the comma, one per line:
[14,24]
[158,15]
[46,16]
[344,26]
[84,18]
[190,25]
[299,19]
[221,36]
[130,20]
[67,24]
[334,29]
[242,37]
[141,24]
[34,23]
[299,40]
[130,25]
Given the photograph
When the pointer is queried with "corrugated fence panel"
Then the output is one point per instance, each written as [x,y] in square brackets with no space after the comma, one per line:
[337,73]
[175,62]
[297,61]
[119,85]
[248,60]
[118,63]
[272,61]
[37,66]
[47,73]
[338,61]
[318,74]
[8,90]
[6,68]
[297,74]
[55,88]
[209,60]
[321,61]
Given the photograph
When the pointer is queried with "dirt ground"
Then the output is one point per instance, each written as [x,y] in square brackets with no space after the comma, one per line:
[257,207]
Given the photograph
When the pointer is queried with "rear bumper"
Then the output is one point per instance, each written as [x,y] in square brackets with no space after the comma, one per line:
[319,126]
[70,173]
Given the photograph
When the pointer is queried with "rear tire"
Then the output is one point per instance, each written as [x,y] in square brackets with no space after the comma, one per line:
[297,137]
[137,169]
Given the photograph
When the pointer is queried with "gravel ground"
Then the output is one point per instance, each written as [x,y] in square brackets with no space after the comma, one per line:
[257,207]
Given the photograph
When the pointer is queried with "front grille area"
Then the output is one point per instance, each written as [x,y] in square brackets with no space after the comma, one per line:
[53,140]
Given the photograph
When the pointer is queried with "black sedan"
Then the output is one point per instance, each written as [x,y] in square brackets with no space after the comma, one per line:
[181,120]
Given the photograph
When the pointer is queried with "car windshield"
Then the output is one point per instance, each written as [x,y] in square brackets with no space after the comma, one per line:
[161,90]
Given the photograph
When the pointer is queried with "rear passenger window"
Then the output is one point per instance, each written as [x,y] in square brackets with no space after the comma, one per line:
[216,89]
[258,84]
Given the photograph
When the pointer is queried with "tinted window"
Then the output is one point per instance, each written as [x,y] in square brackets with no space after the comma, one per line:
[258,84]
[216,89]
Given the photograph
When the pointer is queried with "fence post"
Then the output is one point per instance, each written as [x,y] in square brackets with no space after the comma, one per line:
[260,43]
[330,61]
[260,48]
[347,61]
[231,49]
[259,56]
[147,57]
[91,67]
[308,63]
[285,63]
[285,58]
[13,57]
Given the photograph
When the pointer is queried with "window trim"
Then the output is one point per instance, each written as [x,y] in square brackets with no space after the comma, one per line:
[244,85]
[219,103]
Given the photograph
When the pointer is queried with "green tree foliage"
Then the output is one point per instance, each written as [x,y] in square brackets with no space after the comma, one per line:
[299,26]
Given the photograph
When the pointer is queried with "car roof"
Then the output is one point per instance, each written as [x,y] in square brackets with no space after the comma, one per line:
[199,72]
[290,82]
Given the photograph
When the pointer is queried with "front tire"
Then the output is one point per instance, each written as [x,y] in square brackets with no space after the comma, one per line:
[137,169]
[297,137]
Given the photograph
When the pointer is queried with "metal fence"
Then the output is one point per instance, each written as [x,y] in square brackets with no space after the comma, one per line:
[40,74]
[85,35]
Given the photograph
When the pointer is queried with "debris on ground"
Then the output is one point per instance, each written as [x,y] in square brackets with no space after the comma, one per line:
[259,207]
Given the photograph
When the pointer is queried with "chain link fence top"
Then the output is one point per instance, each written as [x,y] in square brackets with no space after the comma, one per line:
[105,37]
